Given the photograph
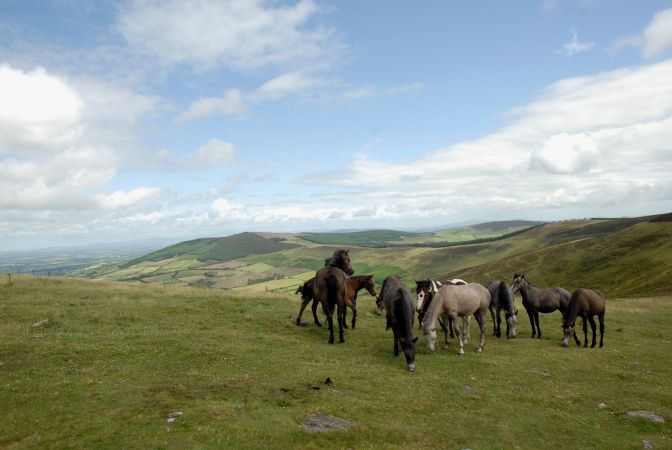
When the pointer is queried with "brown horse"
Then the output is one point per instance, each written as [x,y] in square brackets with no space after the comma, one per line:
[396,300]
[330,290]
[456,301]
[353,285]
[585,303]
[537,300]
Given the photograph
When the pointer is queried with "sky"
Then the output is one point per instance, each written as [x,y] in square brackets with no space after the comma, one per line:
[142,119]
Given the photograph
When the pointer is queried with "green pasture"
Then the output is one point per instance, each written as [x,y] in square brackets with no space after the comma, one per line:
[96,365]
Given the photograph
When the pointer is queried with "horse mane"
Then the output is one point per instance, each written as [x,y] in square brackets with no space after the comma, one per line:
[431,314]
[505,298]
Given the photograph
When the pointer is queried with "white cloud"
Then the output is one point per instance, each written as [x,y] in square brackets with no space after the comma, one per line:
[587,142]
[657,36]
[123,199]
[566,154]
[654,41]
[574,47]
[239,35]
[211,154]
[37,110]
[230,104]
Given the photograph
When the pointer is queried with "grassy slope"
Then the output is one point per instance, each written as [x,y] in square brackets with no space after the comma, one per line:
[632,261]
[115,359]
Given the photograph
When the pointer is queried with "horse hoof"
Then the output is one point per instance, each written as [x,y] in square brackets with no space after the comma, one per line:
[461,352]
[341,341]
[445,346]
[479,350]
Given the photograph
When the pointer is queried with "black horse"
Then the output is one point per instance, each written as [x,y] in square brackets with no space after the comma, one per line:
[501,298]
[396,299]
[537,300]
[330,290]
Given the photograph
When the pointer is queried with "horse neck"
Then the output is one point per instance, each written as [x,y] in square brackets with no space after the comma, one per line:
[572,310]
[505,294]
[432,313]
[527,289]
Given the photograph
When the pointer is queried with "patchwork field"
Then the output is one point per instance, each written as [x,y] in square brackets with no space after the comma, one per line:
[97,364]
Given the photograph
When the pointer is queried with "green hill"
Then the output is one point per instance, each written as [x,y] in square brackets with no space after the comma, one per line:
[620,256]
[631,261]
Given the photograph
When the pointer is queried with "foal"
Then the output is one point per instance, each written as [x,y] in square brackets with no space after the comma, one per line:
[537,300]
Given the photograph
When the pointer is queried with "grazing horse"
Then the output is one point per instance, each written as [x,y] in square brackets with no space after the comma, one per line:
[456,301]
[537,300]
[353,285]
[330,290]
[501,298]
[424,291]
[396,300]
[585,303]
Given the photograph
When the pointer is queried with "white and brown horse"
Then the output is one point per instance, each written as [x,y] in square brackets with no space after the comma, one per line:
[455,301]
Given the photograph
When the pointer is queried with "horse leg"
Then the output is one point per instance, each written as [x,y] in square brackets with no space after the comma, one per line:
[345,315]
[530,314]
[354,314]
[601,319]
[585,332]
[593,327]
[445,334]
[499,323]
[458,335]
[304,303]
[536,320]
[451,327]
[466,331]
[480,318]
[330,321]
[494,320]
[396,342]
[421,317]
[314,308]
[341,318]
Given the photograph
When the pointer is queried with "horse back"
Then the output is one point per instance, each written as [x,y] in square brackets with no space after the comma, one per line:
[590,301]
[463,299]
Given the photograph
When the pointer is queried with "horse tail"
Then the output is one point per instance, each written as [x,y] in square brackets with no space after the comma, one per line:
[403,313]
[332,292]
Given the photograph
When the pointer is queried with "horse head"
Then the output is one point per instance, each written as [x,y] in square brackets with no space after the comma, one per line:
[422,291]
[370,286]
[567,331]
[518,281]
[430,338]
[511,321]
[341,259]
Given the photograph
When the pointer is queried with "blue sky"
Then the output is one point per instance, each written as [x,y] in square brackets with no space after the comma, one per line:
[140,119]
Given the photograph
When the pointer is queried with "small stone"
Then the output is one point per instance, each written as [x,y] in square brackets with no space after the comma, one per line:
[172,417]
[324,422]
[41,323]
[602,405]
[469,390]
[539,371]
[648,415]
[648,445]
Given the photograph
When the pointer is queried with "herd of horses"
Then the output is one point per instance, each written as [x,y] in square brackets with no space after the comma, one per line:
[444,302]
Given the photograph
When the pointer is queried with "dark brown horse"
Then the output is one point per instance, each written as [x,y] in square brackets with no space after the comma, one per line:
[537,300]
[330,290]
[353,285]
[585,303]
[396,300]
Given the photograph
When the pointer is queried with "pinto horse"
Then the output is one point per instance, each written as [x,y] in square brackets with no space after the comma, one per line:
[456,301]
[330,290]
[501,298]
[353,285]
[585,303]
[537,300]
[396,300]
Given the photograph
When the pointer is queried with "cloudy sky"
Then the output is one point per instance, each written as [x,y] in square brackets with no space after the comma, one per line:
[136,119]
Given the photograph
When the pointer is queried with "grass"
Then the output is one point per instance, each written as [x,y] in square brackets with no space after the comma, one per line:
[115,359]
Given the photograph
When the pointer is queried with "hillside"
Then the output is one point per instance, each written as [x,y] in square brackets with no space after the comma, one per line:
[95,364]
[619,256]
